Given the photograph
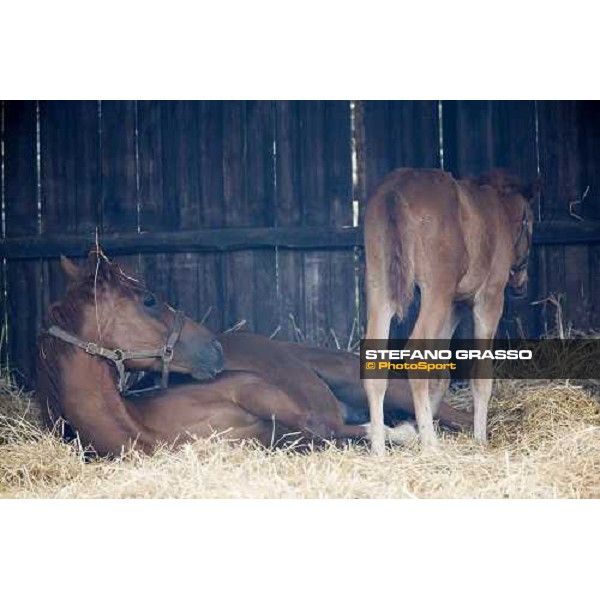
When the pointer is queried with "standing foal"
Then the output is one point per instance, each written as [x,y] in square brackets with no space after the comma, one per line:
[457,241]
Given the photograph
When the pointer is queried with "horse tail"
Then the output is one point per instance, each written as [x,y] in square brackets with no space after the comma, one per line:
[401,265]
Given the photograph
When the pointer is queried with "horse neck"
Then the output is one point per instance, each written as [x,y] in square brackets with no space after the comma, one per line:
[93,406]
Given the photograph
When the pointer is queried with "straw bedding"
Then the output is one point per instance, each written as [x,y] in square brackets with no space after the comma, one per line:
[544,443]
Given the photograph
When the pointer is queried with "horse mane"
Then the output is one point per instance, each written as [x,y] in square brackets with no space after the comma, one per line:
[508,184]
[68,313]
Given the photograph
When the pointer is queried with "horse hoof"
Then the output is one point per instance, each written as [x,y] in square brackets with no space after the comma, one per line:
[403,434]
[377,450]
[430,442]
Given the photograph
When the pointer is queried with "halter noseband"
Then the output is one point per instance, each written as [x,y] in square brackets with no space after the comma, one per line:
[524,262]
[119,356]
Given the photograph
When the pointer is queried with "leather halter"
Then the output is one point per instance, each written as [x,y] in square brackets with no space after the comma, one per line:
[524,262]
[119,356]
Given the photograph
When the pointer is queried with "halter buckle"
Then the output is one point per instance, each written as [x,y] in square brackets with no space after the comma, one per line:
[167,353]
[91,348]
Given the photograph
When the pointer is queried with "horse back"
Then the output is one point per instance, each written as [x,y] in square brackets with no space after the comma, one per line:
[415,214]
[446,234]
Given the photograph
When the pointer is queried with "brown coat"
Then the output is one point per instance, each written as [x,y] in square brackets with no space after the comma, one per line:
[457,241]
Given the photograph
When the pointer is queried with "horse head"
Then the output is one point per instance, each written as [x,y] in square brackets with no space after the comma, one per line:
[517,199]
[109,309]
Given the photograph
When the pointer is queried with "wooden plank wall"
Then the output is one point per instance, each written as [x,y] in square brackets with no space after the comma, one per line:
[589,149]
[24,284]
[569,163]
[73,167]
[314,187]
[69,179]
[119,167]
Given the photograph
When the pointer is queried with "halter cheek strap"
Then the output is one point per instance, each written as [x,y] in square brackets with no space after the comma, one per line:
[524,262]
[167,350]
[119,356]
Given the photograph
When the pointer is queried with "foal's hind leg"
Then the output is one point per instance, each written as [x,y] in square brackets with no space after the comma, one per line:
[431,324]
[378,327]
[438,387]
[487,310]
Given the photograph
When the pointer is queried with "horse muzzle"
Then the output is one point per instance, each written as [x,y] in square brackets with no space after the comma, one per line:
[518,292]
[209,362]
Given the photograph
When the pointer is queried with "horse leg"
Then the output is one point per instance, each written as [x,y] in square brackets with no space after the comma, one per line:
[378,327]
[340,371]
[487,310]
[431,324]
[439,386]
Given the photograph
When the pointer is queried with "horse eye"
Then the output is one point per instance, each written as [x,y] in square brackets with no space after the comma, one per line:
[149,300]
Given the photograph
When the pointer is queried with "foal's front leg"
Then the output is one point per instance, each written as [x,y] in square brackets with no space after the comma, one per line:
[487,311]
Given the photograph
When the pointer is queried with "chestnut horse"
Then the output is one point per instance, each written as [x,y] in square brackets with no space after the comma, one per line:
[457,241]
[260,389]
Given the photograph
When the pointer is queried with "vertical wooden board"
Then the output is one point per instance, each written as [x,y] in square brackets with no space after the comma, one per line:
[589,130]
[561,168]
[395,134]
[373,163]
[588,114]
[155,268]
[181,164]
[560,163]
[577,285]
[341,290]
[3,321]
[150,163]
[468,137]
[260,190]
[594,266]
[119,185]
[316,204]
[118,159]
[181,195]
[415,124]
[515,149]
[374,155]
[24,278]
[248,197]
[3,282]
[211,292]
[70,177]
[514,137]
[316,290]
[239,296]
[288,212]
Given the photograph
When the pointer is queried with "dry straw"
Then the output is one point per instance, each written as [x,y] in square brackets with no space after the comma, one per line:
[545,443]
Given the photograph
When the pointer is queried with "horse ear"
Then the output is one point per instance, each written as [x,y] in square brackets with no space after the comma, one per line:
[71,270]
[533,189]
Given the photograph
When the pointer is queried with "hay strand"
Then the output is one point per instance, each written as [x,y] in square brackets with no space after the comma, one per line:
[544,443]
